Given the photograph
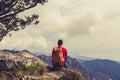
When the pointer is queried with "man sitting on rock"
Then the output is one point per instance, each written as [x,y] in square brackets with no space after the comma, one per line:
[59,56]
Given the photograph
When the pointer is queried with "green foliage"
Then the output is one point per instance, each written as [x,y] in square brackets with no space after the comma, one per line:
[18,72]
[71,75]
[9,10]
[41,79]
[36,69]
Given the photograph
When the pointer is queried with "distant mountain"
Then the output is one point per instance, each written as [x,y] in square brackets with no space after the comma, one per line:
[118,62]
[73,63]
[83,58]
[10,51]
[107,67]
[15,51]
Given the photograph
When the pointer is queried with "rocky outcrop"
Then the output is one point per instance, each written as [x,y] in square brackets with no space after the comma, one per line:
[8,64]
[23,65]
[13,64]
[24,56]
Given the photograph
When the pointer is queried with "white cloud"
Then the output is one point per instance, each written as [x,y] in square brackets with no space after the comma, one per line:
[71,20]
[24,39]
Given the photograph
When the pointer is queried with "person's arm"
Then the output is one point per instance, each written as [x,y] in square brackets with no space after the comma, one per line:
[52,52]
[52,56]
[66,55]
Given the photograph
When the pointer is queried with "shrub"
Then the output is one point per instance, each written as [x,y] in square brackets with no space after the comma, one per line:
[18,72]
[71,75]
[41,79]
[36,69]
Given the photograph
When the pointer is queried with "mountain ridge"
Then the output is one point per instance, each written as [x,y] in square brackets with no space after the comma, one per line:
[108,67]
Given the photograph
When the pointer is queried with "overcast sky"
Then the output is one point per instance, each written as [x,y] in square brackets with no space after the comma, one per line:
[88,27]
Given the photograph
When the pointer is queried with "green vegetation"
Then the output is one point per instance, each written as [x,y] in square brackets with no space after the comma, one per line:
[71,75]
[41,79]
[9,15]
[36,69]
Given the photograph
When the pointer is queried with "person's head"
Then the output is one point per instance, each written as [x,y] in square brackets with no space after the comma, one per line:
[60,42]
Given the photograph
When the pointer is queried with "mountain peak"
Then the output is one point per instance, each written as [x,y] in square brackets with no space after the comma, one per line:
[25,51]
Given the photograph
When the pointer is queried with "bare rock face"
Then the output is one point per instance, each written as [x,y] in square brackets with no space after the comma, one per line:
[8,64]
[12,58]
[13,64]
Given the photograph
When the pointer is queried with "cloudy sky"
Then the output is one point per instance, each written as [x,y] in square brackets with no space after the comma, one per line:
[88,27]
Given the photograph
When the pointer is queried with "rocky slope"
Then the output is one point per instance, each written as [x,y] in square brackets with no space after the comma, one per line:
[23,65]
[73,63]
[24,56]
